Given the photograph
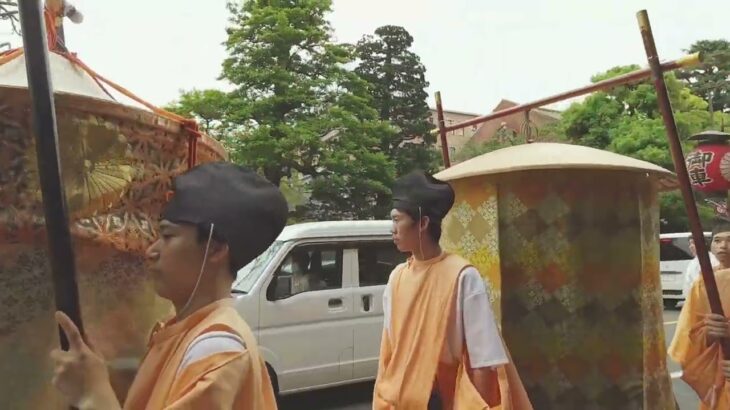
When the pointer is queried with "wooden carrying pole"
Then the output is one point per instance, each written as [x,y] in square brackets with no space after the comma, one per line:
[442,130]
[60,248]
[680,168]
[686,61]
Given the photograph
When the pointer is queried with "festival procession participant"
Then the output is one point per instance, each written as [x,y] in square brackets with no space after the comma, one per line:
[439,330]
[696,343]
[221,216]
[692,272]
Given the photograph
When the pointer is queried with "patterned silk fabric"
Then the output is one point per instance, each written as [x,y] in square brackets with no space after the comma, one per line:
[116,171]
[572,260]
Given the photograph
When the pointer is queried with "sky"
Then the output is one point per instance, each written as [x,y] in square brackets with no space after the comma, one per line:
[476,52]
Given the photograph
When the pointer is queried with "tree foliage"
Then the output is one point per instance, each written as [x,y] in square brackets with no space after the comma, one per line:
[398,85]
[711,79]
[208,107]
[298,110]
[626,120]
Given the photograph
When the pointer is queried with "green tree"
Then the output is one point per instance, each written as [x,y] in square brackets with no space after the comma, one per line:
[208,107]
[674,214]
[398,87]
[711,79]
[589,122]
[626,120]
[297,107]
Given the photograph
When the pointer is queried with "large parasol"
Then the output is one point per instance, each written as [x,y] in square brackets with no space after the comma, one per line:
[90,172]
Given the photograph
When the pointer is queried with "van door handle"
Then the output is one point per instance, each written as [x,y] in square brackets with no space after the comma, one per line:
[335,303]
[366,299]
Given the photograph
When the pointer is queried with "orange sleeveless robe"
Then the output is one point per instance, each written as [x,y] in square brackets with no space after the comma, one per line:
[701,364]
[229,380]
[423,294]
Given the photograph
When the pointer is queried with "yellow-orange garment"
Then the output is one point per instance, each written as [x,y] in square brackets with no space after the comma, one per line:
[228,380]
[701,366]
[423,293]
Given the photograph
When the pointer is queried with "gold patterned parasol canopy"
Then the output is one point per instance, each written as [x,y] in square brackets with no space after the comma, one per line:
[95,158]
[97,163]
[548,155]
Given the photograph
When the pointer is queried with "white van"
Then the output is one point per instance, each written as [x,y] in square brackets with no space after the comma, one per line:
[314,300]
[674,256]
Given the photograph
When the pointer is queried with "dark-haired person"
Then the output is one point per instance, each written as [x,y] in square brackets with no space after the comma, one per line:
[221,216]
[696,343]
[439,330]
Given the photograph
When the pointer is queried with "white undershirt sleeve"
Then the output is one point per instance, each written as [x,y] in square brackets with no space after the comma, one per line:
[483,340]
[209,344]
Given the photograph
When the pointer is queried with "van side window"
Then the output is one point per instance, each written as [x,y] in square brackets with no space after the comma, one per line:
[376,260]
[307,268]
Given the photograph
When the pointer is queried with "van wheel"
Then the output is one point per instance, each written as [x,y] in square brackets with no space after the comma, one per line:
[670,303]
[274,380]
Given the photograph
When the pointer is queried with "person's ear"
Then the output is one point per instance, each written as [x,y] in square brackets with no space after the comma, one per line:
[218,251]
[423,226]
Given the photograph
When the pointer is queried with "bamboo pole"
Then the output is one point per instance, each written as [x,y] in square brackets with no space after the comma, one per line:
[442,131]
[680,167]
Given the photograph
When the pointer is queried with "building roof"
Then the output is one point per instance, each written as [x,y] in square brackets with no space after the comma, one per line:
[539,116]
[505,103]
[433,109]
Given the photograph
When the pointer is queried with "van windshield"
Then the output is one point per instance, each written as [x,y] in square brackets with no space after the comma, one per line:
[249,274]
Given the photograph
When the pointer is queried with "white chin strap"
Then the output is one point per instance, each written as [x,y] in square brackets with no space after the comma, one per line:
[200,275]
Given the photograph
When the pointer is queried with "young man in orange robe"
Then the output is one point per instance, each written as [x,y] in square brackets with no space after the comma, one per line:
[696,343]
[439,332]
[221,216]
